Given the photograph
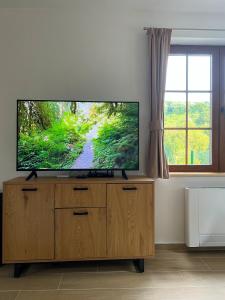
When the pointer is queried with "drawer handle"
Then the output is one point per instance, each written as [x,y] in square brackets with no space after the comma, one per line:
[29,189]
[83,213]
[129,188]
[80,188]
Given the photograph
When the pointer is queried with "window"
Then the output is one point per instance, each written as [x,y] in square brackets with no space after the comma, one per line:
[192,108]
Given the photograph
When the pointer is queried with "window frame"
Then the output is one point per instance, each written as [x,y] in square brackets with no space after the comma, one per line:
[214,51]
[222,111]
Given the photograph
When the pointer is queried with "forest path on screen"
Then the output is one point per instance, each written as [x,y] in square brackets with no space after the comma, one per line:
[86,158]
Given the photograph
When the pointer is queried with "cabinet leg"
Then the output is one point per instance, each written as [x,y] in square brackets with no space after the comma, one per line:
[139,265]
[19,269]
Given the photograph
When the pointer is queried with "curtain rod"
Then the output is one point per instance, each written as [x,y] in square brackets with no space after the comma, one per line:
[193,29]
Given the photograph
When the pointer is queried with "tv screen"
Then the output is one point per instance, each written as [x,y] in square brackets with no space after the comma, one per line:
[77,135]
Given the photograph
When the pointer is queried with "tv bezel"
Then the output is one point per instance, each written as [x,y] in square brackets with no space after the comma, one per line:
[72,170]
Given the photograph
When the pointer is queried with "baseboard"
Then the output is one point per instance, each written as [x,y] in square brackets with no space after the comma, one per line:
[183,247]
[170,247]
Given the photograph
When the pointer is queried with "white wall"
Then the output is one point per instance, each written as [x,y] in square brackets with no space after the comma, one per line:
[91,50]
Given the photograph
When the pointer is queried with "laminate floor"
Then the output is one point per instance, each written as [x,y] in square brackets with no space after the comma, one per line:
[171,274]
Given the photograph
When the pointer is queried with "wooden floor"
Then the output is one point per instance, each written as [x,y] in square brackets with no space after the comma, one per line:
[172,274]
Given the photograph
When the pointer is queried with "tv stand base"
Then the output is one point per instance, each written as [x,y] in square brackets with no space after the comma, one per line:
[139,265]
[33,173]
[107,173]
[124,174]
[20,268]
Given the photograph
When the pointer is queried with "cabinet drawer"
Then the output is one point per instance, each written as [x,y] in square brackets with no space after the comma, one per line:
[80,195]
[80,233]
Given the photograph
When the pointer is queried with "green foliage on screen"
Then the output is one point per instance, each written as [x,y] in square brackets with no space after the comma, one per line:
[117,141]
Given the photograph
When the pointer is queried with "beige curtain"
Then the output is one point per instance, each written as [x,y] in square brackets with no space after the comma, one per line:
[159,46]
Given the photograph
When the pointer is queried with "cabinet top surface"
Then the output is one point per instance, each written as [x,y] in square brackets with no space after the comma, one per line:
[47,179]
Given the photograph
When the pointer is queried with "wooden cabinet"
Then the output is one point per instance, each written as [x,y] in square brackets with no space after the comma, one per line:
[130,220]
[28,227]
[57,219]
[80,233]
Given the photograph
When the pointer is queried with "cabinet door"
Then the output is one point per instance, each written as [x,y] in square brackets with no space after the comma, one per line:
[80,233]
[28,225]
[130,220]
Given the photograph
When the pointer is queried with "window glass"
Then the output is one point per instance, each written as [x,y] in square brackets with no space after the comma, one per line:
[188,110]
[174,141]
[199,147]
[175,110]
[176,73]
[199,110]
[199,72]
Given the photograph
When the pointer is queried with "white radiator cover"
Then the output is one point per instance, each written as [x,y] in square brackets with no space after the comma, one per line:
[205,217]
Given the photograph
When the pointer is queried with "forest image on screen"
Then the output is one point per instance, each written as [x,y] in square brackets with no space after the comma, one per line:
[77,135]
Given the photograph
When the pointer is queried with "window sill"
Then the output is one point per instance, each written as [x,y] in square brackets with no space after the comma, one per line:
[196,174]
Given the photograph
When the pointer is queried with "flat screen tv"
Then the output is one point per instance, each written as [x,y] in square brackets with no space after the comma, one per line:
[77,135]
